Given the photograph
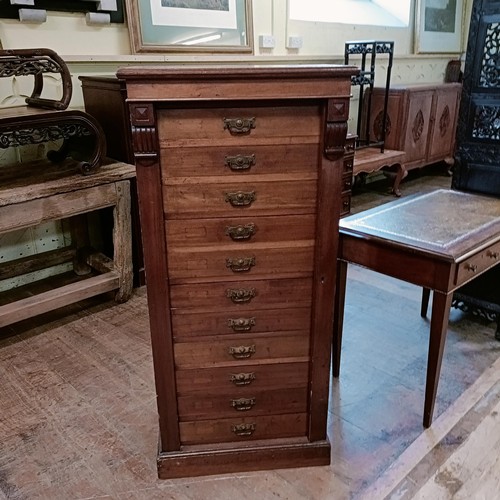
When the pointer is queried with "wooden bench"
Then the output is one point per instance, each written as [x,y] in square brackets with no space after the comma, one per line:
[41,191]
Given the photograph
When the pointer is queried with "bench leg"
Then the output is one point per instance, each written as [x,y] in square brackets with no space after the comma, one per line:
[122,241]
[424,305]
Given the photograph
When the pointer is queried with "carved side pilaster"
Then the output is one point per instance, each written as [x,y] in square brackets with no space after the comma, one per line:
[335,133]
[144,134]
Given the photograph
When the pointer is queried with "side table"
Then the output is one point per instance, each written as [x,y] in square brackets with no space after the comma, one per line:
[439,241]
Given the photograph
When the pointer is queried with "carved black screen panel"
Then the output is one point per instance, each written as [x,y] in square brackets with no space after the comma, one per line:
[477,156]
[8,11]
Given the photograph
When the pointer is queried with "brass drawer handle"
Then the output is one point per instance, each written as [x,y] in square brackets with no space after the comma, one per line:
[241,324]
[243,430]
[238,126]
[240,198]
[240,379]
[240,162]
[243,404]
[237,233]
[493,255]
[242,351]
[240,265]
[240,295]
[471,267]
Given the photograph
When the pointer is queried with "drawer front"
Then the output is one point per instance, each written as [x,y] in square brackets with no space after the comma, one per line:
[255,261]
[477,263]
[239,161]
[240,321]
[244,378]
[190,198]
[345,208]
[240,296]
[203,406]
[240,429]
[346,182]
[196,232]
[235,126]
[241,349]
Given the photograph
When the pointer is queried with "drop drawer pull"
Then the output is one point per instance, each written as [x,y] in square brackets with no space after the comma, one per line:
[237,233]
[471,267]
[493,255]
[239,126]
[243,404]
[241,324]
[243,429]
[240,198]
[239,162]
[240,265]
[240,295]
[242,351]
[240,379]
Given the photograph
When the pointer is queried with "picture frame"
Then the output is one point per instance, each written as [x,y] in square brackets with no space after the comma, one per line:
[438,26]
[206,26]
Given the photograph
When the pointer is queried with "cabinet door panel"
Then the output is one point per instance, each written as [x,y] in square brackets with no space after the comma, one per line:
[418,126]
[443,133]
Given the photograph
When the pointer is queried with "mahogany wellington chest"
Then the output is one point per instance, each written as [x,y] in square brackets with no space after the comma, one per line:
[239,172]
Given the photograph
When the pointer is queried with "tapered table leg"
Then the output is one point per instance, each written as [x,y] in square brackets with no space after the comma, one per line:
[441,304]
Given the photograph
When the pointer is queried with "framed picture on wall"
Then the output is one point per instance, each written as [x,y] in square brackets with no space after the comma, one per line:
[438,26]
[190,25]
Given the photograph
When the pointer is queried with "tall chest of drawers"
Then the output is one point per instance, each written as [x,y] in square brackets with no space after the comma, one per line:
[239,172]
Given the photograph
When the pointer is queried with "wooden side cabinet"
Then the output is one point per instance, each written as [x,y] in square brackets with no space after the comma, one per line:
[421,121]
[239,172]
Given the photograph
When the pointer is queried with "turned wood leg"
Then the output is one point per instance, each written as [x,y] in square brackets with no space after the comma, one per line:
[424,305]
[441,304]
[338,318]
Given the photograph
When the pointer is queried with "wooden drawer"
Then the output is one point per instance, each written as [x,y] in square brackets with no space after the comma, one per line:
[198,232]
[346,182]
[285,259]
[185,198]
[346,204]
[477,263]
[240,296]
[243,428]
[244,378]
[241,349]
[348,165]
[239,161]
[240,321]
[207,405]
[267,125]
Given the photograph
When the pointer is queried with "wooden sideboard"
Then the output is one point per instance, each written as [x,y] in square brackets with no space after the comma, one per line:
[421,121]
[239,173]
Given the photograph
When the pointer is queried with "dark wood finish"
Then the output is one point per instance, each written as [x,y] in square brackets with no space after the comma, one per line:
[477,167]
[439,241]
[42,119]
[104,98]
[219,146]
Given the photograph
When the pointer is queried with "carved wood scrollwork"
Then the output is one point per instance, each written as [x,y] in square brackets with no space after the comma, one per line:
[418,126]
[144,134]
[336,128]
[444,121]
